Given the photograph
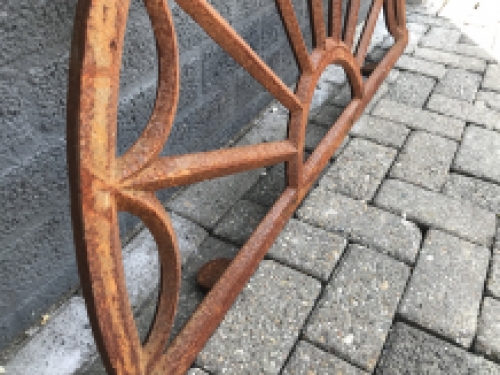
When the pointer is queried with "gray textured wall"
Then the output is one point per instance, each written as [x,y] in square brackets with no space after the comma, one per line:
[37,262]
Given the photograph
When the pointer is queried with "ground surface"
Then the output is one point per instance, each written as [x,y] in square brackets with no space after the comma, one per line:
[392,263]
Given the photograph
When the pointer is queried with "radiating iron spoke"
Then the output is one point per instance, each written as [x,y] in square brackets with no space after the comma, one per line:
[190,168]
[390,17]
[318,20]
[295,34]
[336,20]
[352,20]
[401,13]
[226,37]
[367,34]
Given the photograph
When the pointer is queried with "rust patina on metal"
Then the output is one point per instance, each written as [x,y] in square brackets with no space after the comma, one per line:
[102,184]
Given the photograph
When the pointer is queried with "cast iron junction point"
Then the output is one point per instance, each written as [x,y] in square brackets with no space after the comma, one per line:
[102,183]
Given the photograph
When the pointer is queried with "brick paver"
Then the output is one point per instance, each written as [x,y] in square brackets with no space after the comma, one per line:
[488,331]
[492,78]
[270,126]
[381,131]
[464,111]
[482,193]
[436,210]
[355,314]
[311,250]
[359,169]
[207,201]
[493,284]
[412,351]
[416,31]
[411,89]
[310,360]
[269,186]
[261,328]
[416,118]
[490,99]
[369,225]
[440,37]
[451,59]
[240,221]
[191,295]
[327,115]
[196,371]
[445,290]
[459,84]
[479,154]
[314,134]
[425,160]
[420,66]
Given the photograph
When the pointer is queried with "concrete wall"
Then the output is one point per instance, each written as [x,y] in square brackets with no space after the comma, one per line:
[37,262]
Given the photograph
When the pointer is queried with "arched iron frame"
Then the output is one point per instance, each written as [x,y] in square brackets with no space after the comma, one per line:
[103,183]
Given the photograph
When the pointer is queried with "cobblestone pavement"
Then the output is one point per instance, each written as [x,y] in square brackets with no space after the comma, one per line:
[392,263]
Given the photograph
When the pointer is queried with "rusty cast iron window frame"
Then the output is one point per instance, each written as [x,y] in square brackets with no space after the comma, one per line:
[102,183]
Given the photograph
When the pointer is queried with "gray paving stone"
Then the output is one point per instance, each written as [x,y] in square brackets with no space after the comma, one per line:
[342,98]
[479,153]
[419,119]
[451,59]
[190,294]
[369,225]
[489,98]
[335,74]
[207,201]
[392,76]
[492,78]
[465,111]
[459,84]
[493,284]
[425,160]
[359,169]
[268,127]
[240,221]
[308,359]
[377,53]
[355,313]
[379,94]
[269,187]
[420,18]
[314,135]
[475,51]
[415,32]
[261,328]
[196,371]
[311,250]
[459,217]
[488,330]
[414,352]
[445,290]
[326,115]
[440,37]
[411,89]
[66,343]
[420,66]
[482,193]
[324,90]
[382,131]
[189,235]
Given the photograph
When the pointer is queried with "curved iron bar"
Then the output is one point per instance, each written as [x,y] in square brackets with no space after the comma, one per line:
[102,183]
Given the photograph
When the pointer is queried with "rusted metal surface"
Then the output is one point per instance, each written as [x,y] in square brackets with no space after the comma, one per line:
[102,183]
